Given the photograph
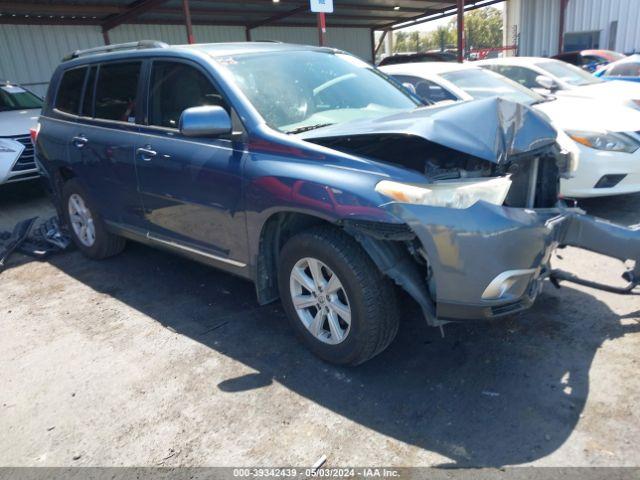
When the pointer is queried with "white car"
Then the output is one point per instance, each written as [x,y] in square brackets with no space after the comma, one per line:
[19,111]
[547,75]
[606,135]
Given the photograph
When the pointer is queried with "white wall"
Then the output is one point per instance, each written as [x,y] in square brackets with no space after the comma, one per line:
[539,23]
[30,53]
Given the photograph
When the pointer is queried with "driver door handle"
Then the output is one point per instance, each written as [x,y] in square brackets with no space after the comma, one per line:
[146,154]
[79,141]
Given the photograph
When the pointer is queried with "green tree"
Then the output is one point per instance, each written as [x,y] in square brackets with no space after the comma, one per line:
[400,42]
[483,28]
[442,38]
[414,41]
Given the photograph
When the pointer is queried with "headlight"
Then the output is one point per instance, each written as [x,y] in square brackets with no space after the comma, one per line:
[608,141]
[451,194]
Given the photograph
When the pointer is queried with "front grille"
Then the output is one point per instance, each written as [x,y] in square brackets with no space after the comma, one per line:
[27,160]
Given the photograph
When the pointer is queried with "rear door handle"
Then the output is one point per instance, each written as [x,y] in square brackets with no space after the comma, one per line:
[79,141]
[146,154]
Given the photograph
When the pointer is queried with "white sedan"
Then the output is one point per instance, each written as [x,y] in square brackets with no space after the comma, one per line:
[547,75]
[606,135]
[19,111]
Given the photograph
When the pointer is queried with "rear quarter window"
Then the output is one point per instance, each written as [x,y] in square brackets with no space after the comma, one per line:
[70,90]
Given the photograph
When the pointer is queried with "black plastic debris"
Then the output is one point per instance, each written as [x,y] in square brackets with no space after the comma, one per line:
[51,233]
[40,242]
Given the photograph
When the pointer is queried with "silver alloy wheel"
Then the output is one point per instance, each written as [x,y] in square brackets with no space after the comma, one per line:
[320,300]
[81,220]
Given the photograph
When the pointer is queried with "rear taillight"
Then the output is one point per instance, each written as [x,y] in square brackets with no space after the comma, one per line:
[34,133]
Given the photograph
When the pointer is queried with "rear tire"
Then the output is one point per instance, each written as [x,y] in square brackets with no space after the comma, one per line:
[87,229]
[359,292]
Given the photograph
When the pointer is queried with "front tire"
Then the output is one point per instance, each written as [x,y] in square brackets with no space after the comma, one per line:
[336,299]
[88,230]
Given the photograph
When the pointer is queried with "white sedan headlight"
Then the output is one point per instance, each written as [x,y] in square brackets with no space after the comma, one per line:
[450,194]
[608,141]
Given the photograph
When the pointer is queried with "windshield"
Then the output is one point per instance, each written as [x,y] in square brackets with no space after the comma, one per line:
[483,83]
[569,73]
[302,89]
[16,98]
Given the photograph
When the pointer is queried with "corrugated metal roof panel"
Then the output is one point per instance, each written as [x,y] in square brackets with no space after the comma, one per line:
[24,60]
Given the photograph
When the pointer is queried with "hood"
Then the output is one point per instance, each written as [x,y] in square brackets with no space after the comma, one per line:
[614,90]
[492,129]
[569,113]
[18,122]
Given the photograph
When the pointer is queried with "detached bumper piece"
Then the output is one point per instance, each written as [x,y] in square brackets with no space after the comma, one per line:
[39,243]
[608,239]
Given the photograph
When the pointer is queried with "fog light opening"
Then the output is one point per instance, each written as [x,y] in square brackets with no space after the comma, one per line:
[610,181]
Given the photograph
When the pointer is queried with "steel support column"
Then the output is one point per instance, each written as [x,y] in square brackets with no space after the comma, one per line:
[563,10]
[460,31]
[322,29]
[187,21]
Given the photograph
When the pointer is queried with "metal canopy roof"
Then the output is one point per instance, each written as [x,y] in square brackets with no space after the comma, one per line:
[375,14]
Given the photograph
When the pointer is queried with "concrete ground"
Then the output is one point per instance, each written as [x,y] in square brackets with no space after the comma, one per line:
[148,359]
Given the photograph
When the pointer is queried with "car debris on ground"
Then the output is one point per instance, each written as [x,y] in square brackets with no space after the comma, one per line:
[40,242]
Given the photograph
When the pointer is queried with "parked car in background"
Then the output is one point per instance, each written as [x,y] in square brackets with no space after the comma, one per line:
[626,69]
[312,174]
[590,60]
[419,57]
[606,135]
[563,79]
[19,111]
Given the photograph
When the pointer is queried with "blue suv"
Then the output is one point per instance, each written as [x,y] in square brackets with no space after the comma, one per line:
[312,174]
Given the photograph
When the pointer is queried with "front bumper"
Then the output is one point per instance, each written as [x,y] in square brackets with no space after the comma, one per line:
[487,260]
[596,164]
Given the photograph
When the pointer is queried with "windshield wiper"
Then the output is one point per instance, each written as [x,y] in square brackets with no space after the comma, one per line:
[306,128]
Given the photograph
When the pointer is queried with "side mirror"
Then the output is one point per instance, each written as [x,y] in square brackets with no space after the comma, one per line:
[206,121]
[547,83]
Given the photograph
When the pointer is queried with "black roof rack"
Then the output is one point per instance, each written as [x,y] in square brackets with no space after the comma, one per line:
[142,44]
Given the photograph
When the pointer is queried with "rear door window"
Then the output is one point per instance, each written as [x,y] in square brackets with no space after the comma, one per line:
[116,91]
[70,90]
[176,86]
[524,76]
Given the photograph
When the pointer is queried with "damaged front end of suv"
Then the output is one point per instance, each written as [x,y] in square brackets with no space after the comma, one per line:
[475,238]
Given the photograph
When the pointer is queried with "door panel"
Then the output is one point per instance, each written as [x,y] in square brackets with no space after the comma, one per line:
[191,192]
[191,188]
[105,138]
[106,165]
